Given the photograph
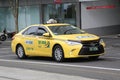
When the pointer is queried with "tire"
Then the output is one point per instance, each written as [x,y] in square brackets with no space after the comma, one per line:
[58,53]
[20,52]
[93,57]
[2,37]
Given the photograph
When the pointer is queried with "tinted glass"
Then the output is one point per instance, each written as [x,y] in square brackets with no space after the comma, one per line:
[68,29]
[31,31]
[41,31]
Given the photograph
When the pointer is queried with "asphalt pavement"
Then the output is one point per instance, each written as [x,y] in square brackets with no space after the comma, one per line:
[8,73]
[112,40]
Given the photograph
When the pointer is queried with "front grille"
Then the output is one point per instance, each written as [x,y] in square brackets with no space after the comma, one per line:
[91,47]
[90,42]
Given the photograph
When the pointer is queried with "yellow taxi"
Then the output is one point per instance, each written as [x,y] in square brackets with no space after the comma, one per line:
[57,40]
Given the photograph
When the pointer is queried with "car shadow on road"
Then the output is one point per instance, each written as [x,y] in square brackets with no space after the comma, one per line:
[82,60]
[71,60]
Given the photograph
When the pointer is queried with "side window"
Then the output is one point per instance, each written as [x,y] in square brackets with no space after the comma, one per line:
[31,31]
[41,31]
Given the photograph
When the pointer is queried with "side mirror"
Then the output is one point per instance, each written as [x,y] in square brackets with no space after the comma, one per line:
[82,31]
[46,34]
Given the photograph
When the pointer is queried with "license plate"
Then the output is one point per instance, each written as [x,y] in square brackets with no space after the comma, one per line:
[93,48]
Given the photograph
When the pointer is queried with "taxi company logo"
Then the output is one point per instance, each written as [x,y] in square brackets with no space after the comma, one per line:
[45,44]
[29,42]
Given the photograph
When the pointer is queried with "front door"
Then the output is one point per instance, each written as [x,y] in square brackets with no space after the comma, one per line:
[42,43]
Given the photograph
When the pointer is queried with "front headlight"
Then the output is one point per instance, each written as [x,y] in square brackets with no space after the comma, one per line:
[72,42]
[101,41]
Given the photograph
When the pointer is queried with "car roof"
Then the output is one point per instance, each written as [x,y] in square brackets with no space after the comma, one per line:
[53,24]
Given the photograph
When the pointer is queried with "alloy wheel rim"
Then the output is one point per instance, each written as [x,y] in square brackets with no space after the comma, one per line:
[20,52]
[58,54]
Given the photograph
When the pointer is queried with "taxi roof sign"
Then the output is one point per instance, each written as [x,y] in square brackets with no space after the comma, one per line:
[51,21]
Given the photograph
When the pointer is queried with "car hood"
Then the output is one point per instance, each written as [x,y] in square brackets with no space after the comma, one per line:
[78,37]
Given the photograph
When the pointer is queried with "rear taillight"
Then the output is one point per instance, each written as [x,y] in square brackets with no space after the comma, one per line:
[13,38]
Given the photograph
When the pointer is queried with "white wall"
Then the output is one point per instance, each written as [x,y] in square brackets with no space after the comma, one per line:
[95,18]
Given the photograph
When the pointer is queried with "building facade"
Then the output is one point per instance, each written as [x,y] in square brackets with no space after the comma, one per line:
[96,16]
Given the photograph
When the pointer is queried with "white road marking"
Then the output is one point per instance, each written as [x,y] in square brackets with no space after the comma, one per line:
[5,48]
[6,56]
[64,65]
[7,41]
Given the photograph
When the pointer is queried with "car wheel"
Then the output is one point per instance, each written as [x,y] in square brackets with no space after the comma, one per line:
[58,53]
[2,37]
[93,57]
[20,52]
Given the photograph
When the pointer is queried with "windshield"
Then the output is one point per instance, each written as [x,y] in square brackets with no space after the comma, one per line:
[65,29]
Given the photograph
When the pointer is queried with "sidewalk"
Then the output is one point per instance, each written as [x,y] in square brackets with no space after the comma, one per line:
[24,74]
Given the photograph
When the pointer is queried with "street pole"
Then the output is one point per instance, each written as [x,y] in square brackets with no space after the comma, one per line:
[16,15]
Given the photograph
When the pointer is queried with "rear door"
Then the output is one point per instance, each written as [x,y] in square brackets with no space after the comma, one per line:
[29,37]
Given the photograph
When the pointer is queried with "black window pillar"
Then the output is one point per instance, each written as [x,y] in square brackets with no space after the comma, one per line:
[78,15]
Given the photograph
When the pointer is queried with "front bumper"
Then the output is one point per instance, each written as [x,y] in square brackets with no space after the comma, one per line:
[86,49]
[91,48]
